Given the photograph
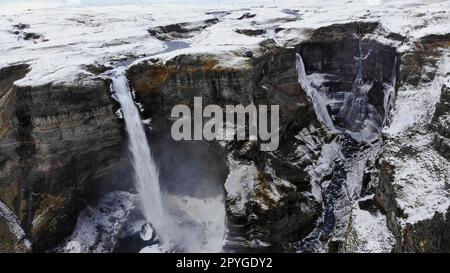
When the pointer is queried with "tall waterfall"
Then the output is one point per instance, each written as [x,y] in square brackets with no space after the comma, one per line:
[318,103]
[146,173]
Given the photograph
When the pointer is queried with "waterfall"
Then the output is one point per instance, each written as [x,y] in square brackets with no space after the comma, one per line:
[318,103]
[146,173]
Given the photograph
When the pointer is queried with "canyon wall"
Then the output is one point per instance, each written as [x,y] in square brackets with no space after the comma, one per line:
[58,142]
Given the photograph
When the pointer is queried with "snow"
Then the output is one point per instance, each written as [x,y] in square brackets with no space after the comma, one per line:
[239,186]
[407,18]
[420,178]
[323,166]
[73,37]
[370,232]
[98,227]
[276,189]
[151,249]
[243,187]
[81,36]
[414,106]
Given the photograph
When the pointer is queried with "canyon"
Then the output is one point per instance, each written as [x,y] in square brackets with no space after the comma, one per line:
[364,145]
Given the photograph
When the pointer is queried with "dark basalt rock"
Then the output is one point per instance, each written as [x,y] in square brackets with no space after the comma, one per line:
[10,242]
[21,26]
[57,144]
[376,97]
[414,64]
[269,77]
[97,69]
[251,32]
[247,15]
[442,123]
[319,55]
[181,30]
[428,236]
[31,36]
[19,30]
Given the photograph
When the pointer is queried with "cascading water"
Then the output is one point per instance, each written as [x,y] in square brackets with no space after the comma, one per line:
[146,173]
[318,103]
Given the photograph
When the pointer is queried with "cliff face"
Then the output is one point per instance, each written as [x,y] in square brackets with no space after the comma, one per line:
[266,197]
[57,143]
[442,123]
[412,169]
[274,200]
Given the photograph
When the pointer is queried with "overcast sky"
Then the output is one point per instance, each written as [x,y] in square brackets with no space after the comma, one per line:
[21,4]
[53,3]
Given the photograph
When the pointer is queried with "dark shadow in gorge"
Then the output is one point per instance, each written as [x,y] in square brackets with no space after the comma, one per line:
[194,168]
[357,78]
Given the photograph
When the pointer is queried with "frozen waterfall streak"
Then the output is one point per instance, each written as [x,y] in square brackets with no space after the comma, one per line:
[146,173]
[353,110]
[319,105]
[389,93]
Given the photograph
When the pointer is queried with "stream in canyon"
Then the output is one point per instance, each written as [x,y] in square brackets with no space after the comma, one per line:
[357,128]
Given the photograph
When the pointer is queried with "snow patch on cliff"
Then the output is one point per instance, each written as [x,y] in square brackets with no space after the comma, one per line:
[420,179]
[414,107]
[14,225]
[98,227]
[368,232]
[239,185]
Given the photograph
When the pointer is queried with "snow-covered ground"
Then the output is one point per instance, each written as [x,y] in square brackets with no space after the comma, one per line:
[71,37]
[368,232]
[98,227]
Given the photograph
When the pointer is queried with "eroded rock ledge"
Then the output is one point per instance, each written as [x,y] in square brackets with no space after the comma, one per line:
[58,142]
